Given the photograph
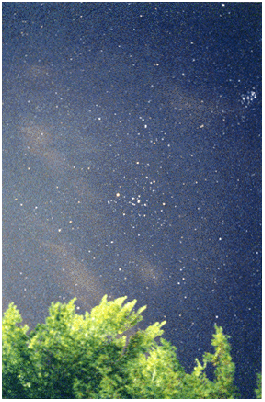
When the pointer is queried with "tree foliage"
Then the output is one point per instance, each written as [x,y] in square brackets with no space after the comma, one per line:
[90,356]
[259,386]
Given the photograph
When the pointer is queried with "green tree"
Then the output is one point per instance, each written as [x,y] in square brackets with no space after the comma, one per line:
[90,356]
[15,355]
[259,385]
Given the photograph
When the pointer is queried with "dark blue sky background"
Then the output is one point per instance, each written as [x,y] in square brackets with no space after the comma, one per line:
[132,165]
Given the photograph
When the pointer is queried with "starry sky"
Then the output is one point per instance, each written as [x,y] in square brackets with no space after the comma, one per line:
[132,166]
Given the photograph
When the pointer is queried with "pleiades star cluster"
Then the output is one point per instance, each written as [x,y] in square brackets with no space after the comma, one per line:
[132,166]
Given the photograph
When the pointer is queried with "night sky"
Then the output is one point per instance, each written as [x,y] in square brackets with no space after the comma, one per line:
[132,166]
